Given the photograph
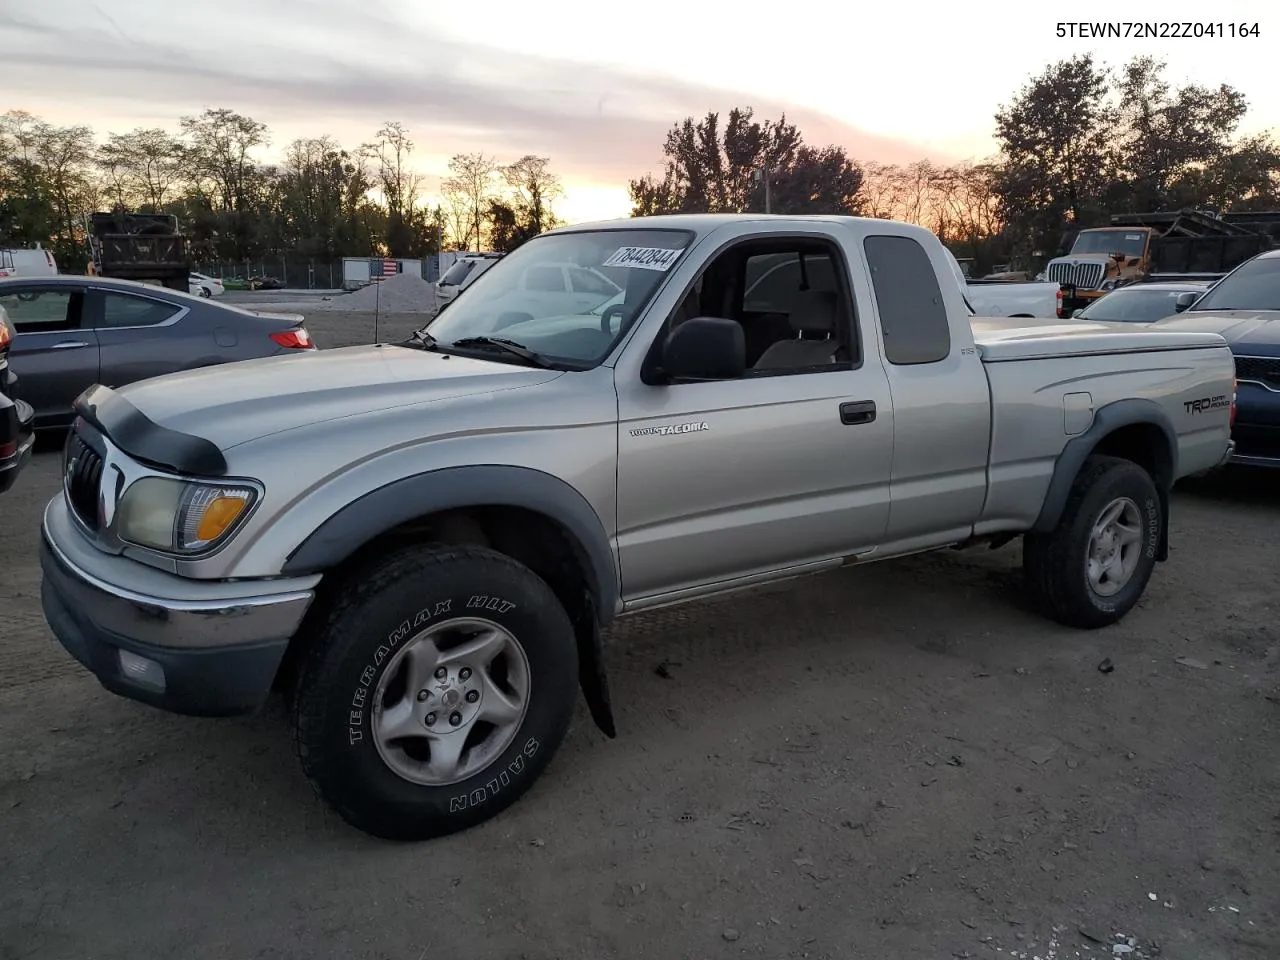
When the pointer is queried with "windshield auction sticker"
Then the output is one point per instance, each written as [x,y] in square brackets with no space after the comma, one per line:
[644,258]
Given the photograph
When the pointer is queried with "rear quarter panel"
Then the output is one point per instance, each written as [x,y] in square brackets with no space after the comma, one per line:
[1039,405]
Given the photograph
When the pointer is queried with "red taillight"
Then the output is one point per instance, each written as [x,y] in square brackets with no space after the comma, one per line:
[8,449]
[1234,387]
[296,339]
[1060,317]
[5,336]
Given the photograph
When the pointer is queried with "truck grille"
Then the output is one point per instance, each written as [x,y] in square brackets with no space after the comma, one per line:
[1086,276]
[1265,370]
[82,475]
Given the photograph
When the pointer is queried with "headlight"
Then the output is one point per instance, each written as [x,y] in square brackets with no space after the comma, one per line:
[179,516]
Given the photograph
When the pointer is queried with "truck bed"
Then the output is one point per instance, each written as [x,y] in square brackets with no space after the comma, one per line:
[1001,339]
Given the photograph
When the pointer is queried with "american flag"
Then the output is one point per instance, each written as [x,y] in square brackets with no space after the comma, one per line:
[388,268]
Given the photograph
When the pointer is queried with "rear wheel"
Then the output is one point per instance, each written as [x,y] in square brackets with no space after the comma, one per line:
[1093,568]
[436,692]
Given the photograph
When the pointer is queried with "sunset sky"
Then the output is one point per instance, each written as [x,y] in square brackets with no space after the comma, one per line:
[590,85]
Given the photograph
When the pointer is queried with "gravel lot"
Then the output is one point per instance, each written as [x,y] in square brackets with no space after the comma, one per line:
[894,762]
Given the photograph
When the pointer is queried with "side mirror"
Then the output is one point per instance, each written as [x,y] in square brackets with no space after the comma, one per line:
[1076,312]
[1185,300]
[705,348]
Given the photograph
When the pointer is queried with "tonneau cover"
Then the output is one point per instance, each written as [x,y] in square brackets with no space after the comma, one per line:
[1016,338]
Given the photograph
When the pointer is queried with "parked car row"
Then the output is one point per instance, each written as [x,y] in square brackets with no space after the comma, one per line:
[67,333]
[1243,307]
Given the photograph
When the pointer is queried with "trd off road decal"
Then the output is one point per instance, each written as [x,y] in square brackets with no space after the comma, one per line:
[644,258]
[1206,403]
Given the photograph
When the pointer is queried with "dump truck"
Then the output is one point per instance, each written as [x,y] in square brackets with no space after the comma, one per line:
[139,246]
[1184,245]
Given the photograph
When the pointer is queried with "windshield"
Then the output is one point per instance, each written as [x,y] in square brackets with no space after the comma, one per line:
[1136,305]
[1253,286]
[455,274]
[1130,243]
[566,296]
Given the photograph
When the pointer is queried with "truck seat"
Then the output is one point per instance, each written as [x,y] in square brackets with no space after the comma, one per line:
[813,318]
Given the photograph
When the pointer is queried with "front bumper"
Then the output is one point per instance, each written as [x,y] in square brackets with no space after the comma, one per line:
[180,645]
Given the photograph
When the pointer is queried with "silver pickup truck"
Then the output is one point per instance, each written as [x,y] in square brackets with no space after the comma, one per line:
[420,543]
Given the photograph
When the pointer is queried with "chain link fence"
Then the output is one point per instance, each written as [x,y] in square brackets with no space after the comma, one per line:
[303,274]
[297,274]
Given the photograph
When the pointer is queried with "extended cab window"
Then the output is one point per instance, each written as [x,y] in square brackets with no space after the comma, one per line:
[913,317]
[122,310]
[37,310]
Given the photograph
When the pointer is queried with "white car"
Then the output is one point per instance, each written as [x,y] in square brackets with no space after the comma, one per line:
[35,262]
[462,274]
[203,286]
[559,289]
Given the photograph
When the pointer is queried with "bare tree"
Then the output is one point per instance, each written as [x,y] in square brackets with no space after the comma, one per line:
[534,188]
[399,182]
[142,167]
[470,186]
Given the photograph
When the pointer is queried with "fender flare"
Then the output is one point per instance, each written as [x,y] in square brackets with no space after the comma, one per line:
[452,488]
[1106,420]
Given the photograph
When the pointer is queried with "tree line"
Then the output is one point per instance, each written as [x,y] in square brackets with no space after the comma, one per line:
[322,201]
[1077,143]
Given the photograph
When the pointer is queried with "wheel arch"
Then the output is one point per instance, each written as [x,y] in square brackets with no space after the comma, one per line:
[535,518]
[409,502]
[1134,429]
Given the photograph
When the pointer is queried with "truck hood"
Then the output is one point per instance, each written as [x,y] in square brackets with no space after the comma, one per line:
[1246,330]
[235,403]
[1083,258]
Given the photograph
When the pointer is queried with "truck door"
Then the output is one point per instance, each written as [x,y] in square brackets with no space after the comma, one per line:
[54,356]
[941,400]
[788,465]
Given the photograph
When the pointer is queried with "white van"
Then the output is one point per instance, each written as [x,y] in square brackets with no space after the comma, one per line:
[462,274]
[37,262]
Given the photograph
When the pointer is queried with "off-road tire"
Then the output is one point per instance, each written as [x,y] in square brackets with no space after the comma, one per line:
[339,671]
[1055,564]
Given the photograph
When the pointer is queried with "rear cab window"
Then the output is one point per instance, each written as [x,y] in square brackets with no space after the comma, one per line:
[457,273]
[913,317]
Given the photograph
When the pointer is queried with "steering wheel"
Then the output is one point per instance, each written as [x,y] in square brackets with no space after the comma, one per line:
[608,313]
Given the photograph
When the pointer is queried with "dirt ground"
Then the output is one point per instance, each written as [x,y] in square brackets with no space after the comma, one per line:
[898,761]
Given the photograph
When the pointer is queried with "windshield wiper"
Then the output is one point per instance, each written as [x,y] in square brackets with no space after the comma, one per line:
[510,346]
[420,339]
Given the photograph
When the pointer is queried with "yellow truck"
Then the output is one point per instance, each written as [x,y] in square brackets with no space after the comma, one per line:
[1183,245]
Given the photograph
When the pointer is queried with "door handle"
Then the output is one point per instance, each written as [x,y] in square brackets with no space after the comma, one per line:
[860,411]
[69,345]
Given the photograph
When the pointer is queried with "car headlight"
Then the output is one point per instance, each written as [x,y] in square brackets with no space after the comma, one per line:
[181,516]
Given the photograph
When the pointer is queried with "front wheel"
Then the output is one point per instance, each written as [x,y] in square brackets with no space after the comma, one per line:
[1093,568]
[436,691]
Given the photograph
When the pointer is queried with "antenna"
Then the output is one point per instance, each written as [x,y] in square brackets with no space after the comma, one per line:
[377,306]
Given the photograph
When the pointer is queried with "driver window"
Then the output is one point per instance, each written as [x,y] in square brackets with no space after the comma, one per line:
[791,299]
